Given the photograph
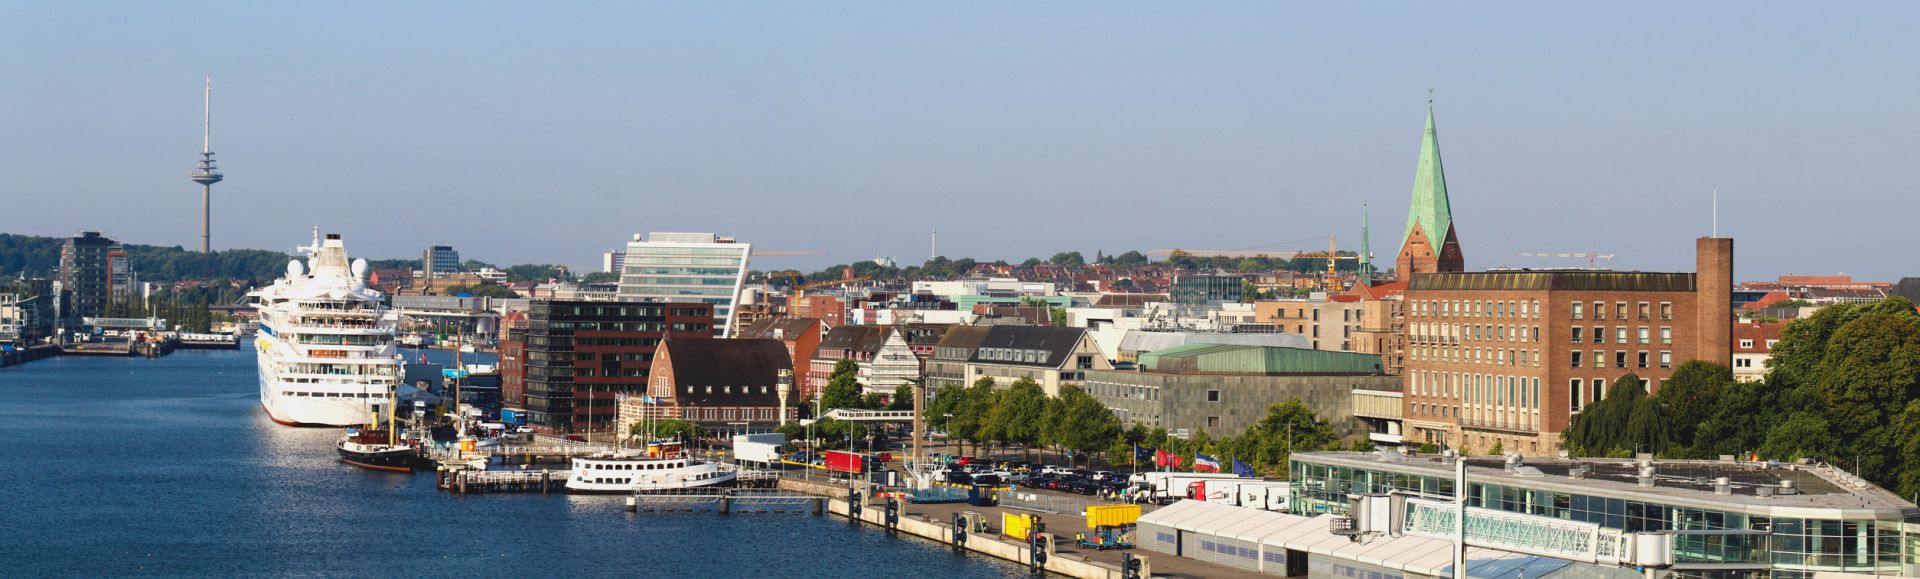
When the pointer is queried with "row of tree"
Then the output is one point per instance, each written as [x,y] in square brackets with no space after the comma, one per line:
[1023,414]
[1843,387]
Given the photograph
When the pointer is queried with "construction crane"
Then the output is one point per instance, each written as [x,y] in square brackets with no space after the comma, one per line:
[786,252]
[1593,259]
[1332,257]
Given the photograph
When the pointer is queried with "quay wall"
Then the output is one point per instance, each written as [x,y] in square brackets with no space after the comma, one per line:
[1063,564]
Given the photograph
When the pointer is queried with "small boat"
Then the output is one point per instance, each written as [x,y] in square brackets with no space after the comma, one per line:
[375,449]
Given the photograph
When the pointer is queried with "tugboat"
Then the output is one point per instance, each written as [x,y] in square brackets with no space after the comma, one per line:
[376,449]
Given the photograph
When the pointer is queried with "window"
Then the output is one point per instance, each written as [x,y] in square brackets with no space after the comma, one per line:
[1620,358]
[1743,363]
[1645,310]
[1599,310]
[1746,343]
[1576,310]
[1619,334]
[1213,422]
[1576,358]
[1599,358]
[1599,389]
[1213,395]
[1574,394]
[1666,310]
[1666,359]
[1620,310]
[1645,334]
[1666,335]
[1643,358]
[1599,335]
[1577,335]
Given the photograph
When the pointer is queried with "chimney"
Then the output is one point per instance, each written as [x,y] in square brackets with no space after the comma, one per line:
[1723,486]
[1646,474]
[1713,300]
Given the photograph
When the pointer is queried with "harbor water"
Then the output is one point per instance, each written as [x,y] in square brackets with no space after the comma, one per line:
[127,466]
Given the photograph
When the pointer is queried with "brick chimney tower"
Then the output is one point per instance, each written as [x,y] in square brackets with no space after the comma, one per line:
[1713,290]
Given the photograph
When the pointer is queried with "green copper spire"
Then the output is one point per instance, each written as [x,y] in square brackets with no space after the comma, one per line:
[1366,249]
[1430,210]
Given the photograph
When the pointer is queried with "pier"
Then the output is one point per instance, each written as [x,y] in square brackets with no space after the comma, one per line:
[465,481]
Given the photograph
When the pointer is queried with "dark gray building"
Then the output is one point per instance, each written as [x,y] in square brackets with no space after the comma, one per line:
[440,259]
[1223,389]
[86,274]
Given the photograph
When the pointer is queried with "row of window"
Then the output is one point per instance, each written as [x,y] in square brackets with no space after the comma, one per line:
[1620,334]
[691,389]
[1482,389]
[1478,332]
[1478,308]
[1492,356]
[1643,310]
[1642,359]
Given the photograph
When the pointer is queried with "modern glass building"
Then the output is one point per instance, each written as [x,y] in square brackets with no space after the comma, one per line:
[1724,518]
[440,259]
[686,268]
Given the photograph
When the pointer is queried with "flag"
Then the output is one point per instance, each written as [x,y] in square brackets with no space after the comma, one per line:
[1164,458]
[1241,468]
[1141,455]
[1204,463]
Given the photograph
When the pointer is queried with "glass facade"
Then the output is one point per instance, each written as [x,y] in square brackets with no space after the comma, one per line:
[1772,546]
[709,272]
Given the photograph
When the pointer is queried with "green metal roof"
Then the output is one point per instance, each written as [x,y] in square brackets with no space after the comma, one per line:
[1237,359]
[1430,210]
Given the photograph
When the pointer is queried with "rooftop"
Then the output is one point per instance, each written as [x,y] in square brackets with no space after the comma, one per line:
[1554,280]
[1676,482]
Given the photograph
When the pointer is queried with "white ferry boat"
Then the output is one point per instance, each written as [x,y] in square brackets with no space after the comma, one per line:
[661,467]
[325,342]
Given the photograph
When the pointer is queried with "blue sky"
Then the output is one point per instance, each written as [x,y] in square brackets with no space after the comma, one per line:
[522,132]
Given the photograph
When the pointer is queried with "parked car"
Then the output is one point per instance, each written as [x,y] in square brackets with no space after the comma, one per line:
[1104,475]
[959,478]
[988,479]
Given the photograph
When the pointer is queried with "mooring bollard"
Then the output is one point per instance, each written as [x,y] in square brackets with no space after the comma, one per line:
[633,504]
[819,506]
[726,504]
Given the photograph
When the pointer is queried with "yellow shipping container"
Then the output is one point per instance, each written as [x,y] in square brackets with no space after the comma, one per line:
[1112,515]
[1018,526]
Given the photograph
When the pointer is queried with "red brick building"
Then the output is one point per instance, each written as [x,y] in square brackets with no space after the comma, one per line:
[1507,357]
[583,354]
[724,386]
[513,361]
[802,337]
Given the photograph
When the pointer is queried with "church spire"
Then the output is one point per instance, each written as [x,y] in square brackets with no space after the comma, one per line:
[1431,243]
[1366,250]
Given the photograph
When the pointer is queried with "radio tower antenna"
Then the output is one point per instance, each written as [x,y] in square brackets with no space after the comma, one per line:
[206,174]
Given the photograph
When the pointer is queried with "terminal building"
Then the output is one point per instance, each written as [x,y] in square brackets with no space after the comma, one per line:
[1225,388]
[1662,518]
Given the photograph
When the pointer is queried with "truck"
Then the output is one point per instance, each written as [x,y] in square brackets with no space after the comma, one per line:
[764,448]
[1264,495]
[1166,487]
[845,462]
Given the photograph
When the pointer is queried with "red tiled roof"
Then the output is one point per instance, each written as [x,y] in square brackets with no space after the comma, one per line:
[1758,333]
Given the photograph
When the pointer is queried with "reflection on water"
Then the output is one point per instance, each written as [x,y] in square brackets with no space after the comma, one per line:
[122,466]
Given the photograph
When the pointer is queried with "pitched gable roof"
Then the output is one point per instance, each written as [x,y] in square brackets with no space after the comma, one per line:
[1055,344]
[737,363]
[788,327]
[867,339]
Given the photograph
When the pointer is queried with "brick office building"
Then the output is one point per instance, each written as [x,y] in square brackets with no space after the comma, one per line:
[802,338]
[513,365]
[581,355]
[1508,357]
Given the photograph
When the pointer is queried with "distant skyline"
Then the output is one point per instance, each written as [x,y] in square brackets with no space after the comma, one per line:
[537,133]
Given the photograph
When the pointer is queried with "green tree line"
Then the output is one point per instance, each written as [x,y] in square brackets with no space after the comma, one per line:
[1843,387]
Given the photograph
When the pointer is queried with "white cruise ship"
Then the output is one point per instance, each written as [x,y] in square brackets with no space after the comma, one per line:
[325,343]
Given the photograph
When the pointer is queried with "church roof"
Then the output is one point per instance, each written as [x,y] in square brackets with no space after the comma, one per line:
[1430,209]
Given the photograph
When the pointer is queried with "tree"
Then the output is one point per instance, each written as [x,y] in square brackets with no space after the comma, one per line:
[1069,259]
[1499,449]
[945,399]
[668,430]
[1288,427]
[1689,398]
[1130,259]
[1871,367]
[902,398]
[1057,316]
[1018,413]
[1081,423]
[872,401]
[601,277]
[537,272]
[843,387]
[1803,435]
[969,421]
[1739,418]
[1031,261]
[1627,418]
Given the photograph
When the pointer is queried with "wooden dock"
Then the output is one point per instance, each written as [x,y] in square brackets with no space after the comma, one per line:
[463,481]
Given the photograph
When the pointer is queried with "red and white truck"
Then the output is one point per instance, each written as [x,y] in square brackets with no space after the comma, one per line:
[846,462]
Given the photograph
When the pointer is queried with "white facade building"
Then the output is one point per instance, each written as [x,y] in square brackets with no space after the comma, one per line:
[686,268]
